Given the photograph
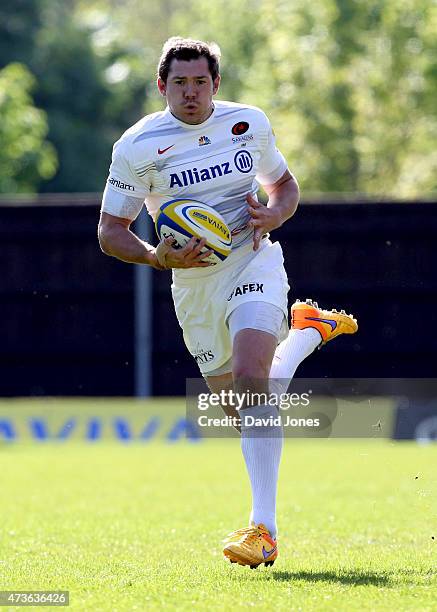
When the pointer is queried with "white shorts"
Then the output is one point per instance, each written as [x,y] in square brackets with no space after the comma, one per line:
[205,297]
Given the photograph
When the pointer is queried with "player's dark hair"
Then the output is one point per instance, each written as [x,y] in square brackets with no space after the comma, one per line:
[187,49]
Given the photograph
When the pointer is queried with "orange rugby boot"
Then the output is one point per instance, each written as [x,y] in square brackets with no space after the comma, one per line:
[329,323]
[251,546]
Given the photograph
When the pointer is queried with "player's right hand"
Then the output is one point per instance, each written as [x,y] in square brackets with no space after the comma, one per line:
[189,256]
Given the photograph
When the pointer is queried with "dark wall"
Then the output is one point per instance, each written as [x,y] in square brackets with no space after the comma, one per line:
[378,262]
[67,310]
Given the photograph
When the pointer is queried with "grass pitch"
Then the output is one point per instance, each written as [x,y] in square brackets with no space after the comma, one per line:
[138,526]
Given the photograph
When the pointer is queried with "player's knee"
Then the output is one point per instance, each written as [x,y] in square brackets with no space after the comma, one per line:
[253,369]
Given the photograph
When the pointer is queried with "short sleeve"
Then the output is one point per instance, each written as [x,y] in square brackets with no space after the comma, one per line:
[125,191]
[272,164]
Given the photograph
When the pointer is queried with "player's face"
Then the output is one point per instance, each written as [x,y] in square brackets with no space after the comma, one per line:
[189,90]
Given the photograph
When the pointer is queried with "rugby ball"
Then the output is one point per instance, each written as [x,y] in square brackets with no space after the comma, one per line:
[182,219]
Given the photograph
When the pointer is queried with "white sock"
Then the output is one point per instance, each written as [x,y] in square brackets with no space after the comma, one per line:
[291,352]
[262,447]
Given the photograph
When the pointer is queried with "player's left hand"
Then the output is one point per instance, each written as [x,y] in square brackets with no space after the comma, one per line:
[263,219]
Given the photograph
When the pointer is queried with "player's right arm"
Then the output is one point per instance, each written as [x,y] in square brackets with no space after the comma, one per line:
[116,239]
[122,202]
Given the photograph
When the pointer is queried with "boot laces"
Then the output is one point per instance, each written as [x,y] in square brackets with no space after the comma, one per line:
[251,535]
[236,535]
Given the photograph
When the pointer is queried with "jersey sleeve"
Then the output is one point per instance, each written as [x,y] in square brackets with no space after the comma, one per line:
[124,192]
[272,164]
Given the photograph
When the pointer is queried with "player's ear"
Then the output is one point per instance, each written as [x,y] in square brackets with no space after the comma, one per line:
[161,86]
[215,85]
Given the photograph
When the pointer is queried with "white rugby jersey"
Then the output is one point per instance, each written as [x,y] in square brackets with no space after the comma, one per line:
[217,162]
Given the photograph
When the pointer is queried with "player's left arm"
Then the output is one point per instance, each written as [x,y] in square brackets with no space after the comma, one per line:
[283,199]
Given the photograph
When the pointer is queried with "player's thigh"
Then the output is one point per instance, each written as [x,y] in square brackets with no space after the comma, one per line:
[257,313]
[252,353]
[256,328]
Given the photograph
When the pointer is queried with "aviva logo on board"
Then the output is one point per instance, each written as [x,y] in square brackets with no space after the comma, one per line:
[67,420]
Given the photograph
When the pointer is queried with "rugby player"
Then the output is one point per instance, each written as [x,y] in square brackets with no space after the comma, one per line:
[235,313]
